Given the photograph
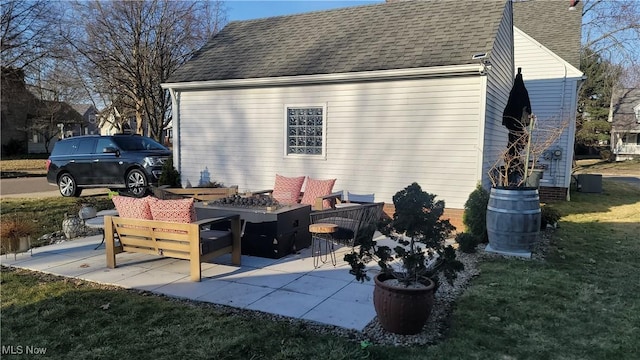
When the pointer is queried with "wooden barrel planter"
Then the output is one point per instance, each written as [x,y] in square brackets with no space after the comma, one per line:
[513,219]
[402,310]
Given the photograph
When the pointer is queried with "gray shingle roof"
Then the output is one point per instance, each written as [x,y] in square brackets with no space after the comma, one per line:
[624,100]
[81,108]
[364,38]
[553,25]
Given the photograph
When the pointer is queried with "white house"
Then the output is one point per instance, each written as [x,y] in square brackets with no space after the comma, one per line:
[384,94]
[624,116]
[547,48]
[374,96]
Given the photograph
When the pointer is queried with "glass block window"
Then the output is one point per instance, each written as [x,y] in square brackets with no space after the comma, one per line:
[305,130]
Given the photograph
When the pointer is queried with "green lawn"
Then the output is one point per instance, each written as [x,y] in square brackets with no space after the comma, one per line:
[582,302]
[47,214]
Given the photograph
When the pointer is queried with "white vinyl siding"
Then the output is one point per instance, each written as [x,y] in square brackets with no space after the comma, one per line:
[499,83]
[552,84]
[380,136]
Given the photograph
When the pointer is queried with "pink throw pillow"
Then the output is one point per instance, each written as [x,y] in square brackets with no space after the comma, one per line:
[287,189]
[133,208]
[315,189]
[181,210]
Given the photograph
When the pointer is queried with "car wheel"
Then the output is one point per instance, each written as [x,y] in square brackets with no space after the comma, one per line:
[67,185]
[137,183]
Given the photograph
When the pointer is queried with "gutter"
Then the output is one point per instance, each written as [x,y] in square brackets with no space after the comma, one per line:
[175,121]
[396,74]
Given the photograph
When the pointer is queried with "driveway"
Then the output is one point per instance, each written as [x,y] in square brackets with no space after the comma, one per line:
[36,187]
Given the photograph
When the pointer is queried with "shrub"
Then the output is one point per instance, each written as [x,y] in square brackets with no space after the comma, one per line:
[419,233]
[607,155]
[475,213]
[548,215]
[467,242]
[212,184]
[14,147]
[12,228]
[170,176]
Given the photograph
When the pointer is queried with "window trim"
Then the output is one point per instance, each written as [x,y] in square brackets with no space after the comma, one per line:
[323,155]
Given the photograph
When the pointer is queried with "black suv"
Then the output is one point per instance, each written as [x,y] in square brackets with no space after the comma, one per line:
[131,162]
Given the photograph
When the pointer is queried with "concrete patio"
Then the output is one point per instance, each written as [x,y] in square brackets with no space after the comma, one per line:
[289,286]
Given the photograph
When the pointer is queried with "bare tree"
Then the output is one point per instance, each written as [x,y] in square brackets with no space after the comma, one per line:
[28,32]
[520,158]
[611,29]
[131,47]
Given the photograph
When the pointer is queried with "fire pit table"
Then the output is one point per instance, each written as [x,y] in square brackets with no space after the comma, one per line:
[266,232]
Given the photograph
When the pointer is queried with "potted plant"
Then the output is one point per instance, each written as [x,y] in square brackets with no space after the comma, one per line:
[408,277]
[513,210]
[15,234]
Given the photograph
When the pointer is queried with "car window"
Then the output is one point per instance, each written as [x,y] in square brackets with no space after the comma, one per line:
[87,146]
[64,147]
[104,143]
[135,143]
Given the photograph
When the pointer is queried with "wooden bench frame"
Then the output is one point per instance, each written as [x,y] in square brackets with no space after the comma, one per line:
[170,239]
[198,193]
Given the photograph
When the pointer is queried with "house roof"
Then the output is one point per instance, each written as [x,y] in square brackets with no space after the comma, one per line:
[623,103]
[551,23]
[82,108]
[399,35]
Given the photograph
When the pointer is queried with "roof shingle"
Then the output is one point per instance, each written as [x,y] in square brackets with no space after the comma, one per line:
[552,24]
[386,36]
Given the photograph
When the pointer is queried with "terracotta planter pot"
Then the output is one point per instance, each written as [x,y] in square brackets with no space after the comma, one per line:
[402,310]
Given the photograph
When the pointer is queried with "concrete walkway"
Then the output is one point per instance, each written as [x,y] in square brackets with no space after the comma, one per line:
[289,286]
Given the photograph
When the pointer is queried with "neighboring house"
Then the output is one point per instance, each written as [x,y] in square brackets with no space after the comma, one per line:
[167,138]
[87,125]
[624,115]
[22,112]
[376,96]
[547,48]
[111,121]
[90,116]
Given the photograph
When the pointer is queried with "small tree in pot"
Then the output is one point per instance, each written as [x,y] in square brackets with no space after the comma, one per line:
[412,267]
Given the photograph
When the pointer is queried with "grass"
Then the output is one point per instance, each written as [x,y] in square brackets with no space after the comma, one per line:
[47,214]
[594,166]
[580,303]
[24,166]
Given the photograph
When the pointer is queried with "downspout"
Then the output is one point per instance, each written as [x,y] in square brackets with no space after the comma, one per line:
[480,170]
[175,120]
[570,163]
[562,102]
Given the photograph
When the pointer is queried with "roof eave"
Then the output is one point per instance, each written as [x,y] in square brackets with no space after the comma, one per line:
[396,74]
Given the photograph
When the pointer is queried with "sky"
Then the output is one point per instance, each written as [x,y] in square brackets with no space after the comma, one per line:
[245,10]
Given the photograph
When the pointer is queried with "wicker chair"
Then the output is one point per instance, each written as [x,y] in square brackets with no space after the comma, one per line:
[352,221]
[369,221]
